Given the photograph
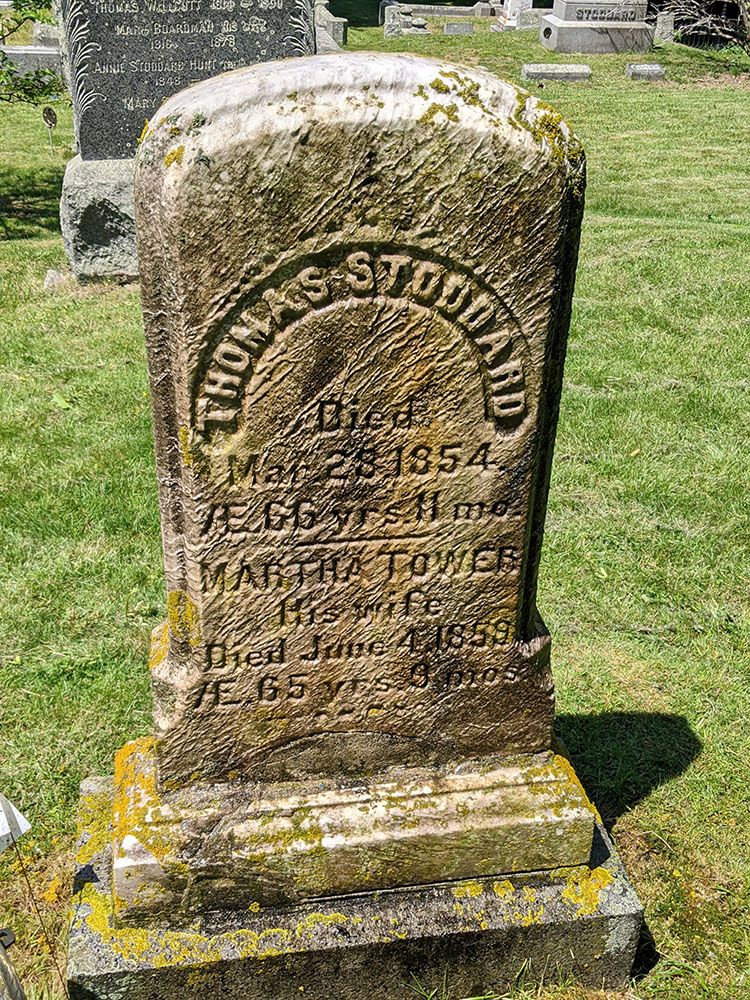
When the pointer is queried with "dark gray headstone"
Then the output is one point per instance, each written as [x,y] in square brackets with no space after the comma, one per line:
[127,56]
[458,28]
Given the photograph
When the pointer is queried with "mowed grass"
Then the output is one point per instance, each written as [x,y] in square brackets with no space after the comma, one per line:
[644,575]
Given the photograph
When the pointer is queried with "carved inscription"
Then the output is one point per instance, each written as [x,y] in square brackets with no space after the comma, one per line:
[127,56]
[365,274]
[606,14]
[360,477]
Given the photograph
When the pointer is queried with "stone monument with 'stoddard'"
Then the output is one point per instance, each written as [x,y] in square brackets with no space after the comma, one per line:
[124,58]
[353,778]
[609,26]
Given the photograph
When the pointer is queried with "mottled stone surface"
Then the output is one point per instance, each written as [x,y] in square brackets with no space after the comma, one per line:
[29,58]
[354,409]
[126,56]
[458,28]
[97,219]
[480,933]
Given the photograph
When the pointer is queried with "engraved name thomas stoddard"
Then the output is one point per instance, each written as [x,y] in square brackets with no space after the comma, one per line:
[356,297]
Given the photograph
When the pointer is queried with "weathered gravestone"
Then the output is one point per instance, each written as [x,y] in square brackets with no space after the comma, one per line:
[125,57]
[357,274]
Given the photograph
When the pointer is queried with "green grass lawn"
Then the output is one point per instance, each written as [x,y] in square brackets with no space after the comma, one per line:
[644,575]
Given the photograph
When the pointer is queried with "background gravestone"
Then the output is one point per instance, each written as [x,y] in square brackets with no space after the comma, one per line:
[610,26]
[354,410]
[125,57]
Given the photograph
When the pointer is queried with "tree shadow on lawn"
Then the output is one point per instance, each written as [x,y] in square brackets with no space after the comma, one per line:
[30,201]
[620,757]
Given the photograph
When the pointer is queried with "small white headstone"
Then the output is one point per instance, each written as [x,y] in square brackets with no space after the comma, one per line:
[12,824]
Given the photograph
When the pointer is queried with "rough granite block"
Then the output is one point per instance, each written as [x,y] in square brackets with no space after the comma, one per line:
[97,219]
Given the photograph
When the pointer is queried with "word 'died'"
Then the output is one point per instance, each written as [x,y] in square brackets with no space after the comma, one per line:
[353,275]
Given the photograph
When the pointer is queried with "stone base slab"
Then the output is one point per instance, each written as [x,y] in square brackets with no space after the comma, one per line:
[479,934]
[604,37]
[561,72]
[230,846]
[97,217]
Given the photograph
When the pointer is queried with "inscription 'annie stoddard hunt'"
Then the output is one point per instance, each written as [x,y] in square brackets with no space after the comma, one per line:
[354,454]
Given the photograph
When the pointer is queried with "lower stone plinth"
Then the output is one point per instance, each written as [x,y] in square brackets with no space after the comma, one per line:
[480,933]
[97,218]
[225,846]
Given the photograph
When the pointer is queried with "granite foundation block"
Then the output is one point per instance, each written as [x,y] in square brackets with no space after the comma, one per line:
[97,218]
[606,37]
[30,58]
[478,933]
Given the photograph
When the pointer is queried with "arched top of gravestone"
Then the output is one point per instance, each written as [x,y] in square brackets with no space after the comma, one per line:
[356,274]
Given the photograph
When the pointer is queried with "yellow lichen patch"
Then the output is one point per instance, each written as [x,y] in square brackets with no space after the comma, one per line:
[138,811]
[583,889]
[467,89]
[187,455]
[254,907]
[468,889]
[174,156]
[308,924]
[449,110]
[563,764]
[159,645]
[531,916]
[440,86]
[503,890]
[145,133]
[182,615]
[93,822]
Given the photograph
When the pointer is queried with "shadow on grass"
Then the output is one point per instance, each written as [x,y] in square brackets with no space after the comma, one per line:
[622,756]
[359,13]
[30,201]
